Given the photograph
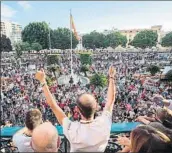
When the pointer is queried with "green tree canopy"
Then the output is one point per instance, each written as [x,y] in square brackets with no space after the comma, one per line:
[54,69]
[85,58]
[25,46]
[53,59]
[49,80]
[84,69]
[5,44]
[61,39]
[94,40]
[36,46]
[153,69]
[167,40]
[98,80]
[36,32]
[115,39]
[145,39]
[18,49]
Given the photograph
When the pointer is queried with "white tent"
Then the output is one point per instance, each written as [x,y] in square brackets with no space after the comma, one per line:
[166,69]
[154,48]
[147,49]
[120,49]
[109,49]
[132,49]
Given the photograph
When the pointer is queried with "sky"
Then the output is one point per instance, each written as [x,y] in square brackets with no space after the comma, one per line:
[91,15]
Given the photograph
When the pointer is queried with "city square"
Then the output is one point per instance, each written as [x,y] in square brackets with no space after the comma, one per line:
[99,85]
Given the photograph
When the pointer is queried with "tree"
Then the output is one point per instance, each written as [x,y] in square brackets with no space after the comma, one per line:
[25,46]
[49,80]
[153,69]
[84,69]
[98,80]
[5,44]
[94,40]
[18,49]
[36,46]
[52,59]
[36,32]
[167,40]
[115,39]
[85,58]
[168,76]
[53,64]
[145,39]
[53,69]
[61,39]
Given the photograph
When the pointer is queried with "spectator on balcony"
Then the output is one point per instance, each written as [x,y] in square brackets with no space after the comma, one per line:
[163,115]
[147,139]
[45,138]
[23,137]
[89,134]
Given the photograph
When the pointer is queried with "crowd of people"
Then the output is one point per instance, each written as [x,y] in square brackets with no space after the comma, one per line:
[135,97]
[20,90]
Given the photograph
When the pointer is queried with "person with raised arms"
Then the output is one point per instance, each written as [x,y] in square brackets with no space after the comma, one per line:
[89,134]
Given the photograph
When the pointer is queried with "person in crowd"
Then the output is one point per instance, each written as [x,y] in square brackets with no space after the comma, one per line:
[89,134]
[23,137]
[163,115]
[45,138]
[7,124]
[166,102]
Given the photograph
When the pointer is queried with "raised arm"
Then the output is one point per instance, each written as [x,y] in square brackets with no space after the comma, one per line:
[111,90]
[60,115]
[161,98]
[143,119]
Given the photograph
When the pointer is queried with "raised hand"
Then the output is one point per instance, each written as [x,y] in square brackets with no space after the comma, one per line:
[124,141]
[112,72]
[40,76]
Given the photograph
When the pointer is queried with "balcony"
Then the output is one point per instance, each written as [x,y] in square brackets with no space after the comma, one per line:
[117,128]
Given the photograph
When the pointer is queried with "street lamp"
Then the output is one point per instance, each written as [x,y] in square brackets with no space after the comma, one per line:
[71,80]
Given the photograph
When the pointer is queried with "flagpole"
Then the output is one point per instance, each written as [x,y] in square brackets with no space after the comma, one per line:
[71,43]
[81,43]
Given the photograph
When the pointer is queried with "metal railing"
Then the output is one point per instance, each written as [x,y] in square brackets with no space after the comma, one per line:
[6,145]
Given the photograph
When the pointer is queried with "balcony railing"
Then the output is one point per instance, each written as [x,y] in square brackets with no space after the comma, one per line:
[117,128]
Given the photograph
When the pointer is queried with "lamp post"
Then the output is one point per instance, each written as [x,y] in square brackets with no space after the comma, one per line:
[71,80]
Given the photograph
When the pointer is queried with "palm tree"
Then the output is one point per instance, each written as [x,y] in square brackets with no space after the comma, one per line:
[84,69]
[153,69]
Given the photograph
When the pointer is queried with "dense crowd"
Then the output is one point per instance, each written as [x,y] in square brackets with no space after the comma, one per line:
[20,91]
[137,98]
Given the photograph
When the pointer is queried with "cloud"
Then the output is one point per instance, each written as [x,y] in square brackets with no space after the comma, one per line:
[7,11]
[126,21]
[24,4]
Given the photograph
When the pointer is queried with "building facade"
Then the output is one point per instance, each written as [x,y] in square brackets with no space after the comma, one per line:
[131,33]
[11,30]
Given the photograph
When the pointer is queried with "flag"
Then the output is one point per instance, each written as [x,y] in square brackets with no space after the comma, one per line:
[73,27]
